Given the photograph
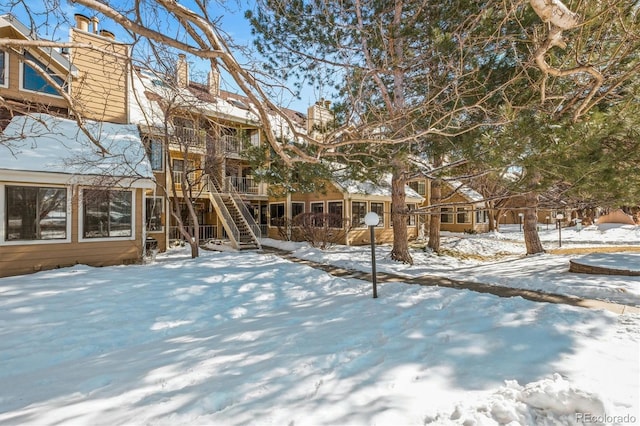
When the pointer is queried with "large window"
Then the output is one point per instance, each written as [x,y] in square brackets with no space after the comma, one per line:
[35,213]
[464,215]
[154,209]
[107,214]
[335,214]
[32,80]
[276,214]
[446,214]
[155,153]
[4,69]
[378,208]
[358,212]
[296,209]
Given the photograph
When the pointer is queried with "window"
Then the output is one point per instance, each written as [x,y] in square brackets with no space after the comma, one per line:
[317,207]
[419,186]
[482,216]
[154,207]
[4,69]
[335,214]
[358,212]
[378,208]
[32,80]
[276,213]
[35,213]
[411,219]
[446,214]
[106,214]
[464,215]
[296,209]
[156,154]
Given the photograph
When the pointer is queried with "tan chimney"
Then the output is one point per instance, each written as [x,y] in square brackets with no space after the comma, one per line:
[82,22]
[95,22]
[214,81]
[107,34]
[182,71]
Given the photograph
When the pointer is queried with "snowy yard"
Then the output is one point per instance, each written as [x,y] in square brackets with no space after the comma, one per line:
[249,338]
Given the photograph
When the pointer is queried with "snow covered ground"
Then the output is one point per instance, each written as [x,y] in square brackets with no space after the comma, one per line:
[250,338]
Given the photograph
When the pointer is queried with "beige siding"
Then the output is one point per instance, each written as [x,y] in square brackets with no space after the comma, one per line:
[25,259]
[101,88]
[13,92]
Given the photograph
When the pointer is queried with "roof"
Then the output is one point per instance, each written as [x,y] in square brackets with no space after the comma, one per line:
[8,20]
[381,189]
[466,191]
[44,143]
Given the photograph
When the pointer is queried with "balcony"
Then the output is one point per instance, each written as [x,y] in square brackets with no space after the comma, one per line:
[245,185]
[193,138]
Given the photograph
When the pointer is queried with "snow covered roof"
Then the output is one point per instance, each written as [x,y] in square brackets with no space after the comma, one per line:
[381,189]
[44,143]
[463,189]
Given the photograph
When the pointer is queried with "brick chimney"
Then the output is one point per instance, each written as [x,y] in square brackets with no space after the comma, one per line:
[182,71]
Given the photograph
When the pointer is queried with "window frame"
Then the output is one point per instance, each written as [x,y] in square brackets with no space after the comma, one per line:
[482,216]
[359,223]
[379,212]
[411,218]
[417,184]
[271,218]
[297,203]
[82,217]
[150,147]
[466,212]
[4,69]
[52,74]
[447,212]
[341,203]
[159,202]
[4,218]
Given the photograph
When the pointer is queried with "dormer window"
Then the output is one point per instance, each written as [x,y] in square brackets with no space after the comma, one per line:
[33,81]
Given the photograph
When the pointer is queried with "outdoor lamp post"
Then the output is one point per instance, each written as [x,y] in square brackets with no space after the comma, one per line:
[520,215]
[559,218]
[372,219]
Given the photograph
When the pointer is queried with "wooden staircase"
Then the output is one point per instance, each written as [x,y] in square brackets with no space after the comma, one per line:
[240,227]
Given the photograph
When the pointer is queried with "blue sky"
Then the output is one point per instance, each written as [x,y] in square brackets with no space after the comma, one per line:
[230,16]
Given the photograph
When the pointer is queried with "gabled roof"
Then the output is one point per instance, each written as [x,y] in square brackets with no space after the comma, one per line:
[8,20]
[44,143]
[464,190]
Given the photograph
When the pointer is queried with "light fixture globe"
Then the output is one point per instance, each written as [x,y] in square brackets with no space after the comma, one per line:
[371,219]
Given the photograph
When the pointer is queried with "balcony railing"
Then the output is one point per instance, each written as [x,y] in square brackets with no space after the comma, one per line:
[205,232]
[232,144]
[196,184]
[192,137]
[245,185]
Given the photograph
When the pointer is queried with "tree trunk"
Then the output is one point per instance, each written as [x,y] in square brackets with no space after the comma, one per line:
[530,227]
[434,223]
[400,251]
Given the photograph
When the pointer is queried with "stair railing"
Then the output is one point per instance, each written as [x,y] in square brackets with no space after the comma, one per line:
[228,220]
[254,228]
